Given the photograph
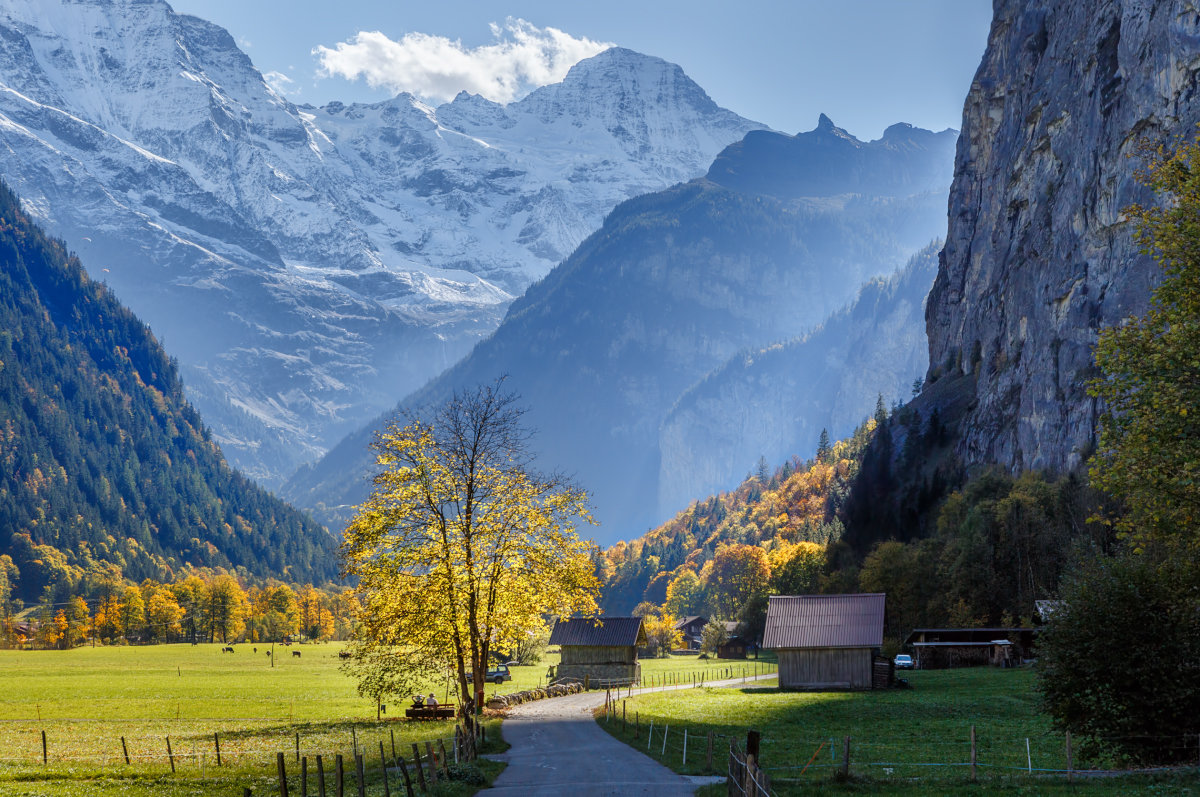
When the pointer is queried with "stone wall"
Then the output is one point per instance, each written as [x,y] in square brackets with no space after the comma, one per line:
[599,672]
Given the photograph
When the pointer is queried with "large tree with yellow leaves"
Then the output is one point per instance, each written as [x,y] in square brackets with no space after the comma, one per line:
[461,549]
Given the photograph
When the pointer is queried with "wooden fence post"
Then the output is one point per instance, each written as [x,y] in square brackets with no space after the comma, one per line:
[339,777]
[171,756]
[637,725]
[125,750]
[360,772]
[685,747]
[45,756]
[973,752]
[420,772]
[393,732]
[297,747]
[387,789]
[445,762]
[1070,761]
[283,792]
[216,743]
[304,777]
[433,776]
[320,777]
[408,789]
[846,760]
[708,753]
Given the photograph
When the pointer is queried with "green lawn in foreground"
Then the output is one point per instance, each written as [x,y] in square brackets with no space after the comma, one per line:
[903,741]
[87,699]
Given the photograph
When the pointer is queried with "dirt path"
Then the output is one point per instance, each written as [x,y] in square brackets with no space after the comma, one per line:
[558,748]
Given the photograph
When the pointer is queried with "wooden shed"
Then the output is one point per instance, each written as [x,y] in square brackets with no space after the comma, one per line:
[735,645]
[939,648]
[825,641]
[601,649]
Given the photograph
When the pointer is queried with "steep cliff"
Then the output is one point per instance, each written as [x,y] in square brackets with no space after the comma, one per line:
[1038,254]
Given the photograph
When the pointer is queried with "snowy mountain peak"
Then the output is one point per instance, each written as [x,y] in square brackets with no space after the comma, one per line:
[310,265]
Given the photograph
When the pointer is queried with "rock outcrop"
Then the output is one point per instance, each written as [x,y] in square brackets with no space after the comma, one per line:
[1038,254]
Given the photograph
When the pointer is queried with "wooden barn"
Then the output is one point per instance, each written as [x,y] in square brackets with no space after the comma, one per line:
[825,641]
[599,649]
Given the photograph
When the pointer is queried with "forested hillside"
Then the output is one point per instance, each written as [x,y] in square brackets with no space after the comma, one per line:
[104,467]
[791,512]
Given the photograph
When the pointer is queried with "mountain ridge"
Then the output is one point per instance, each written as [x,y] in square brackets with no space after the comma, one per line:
[310,264]
[106,468]
[673,285]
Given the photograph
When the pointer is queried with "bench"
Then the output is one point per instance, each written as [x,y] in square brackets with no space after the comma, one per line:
[443,711]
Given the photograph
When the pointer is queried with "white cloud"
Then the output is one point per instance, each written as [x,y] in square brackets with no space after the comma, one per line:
[521,58]
[281,83]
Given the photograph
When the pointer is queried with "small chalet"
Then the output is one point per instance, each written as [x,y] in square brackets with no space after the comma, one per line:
[735,645]
[599,648]
[691,628]
[825,641]
[939,648]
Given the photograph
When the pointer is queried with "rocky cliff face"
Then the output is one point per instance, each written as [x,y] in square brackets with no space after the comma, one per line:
[1038,255]
[310,265]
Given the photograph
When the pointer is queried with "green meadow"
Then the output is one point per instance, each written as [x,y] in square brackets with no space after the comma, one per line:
[86,700]
[903,741]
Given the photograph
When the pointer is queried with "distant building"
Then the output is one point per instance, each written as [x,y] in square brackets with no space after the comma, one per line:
[691,628]
[825,641]
[735,646]
[599,648]
[940,648]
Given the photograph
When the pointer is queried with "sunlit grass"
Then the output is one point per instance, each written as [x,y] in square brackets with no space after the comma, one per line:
[86,700]
[902,741]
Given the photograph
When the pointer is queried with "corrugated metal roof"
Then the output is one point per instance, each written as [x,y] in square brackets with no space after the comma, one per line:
[599,631]
[825,621]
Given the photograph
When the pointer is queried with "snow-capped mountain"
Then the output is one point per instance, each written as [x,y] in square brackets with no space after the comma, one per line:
[308,266]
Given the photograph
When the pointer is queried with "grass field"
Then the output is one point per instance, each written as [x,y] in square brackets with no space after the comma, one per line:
[87,699]
[914,741]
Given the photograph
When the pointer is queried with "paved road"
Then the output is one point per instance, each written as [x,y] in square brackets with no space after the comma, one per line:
[558,748]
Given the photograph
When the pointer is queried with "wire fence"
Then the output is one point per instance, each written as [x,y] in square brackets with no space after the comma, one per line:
[694,749]
[182,743]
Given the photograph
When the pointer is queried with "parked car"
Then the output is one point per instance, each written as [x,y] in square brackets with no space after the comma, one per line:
[496,675]
[903,662]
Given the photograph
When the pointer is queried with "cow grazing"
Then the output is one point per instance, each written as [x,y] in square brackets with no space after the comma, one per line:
[343,654]
[296,653]
[227,650]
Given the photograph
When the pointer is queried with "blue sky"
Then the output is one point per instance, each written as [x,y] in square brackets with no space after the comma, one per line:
[866,63]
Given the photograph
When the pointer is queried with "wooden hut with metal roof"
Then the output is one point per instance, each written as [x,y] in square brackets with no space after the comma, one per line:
[937,648]
[599,649]
[825,641]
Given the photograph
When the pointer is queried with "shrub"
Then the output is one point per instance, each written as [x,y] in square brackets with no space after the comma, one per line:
[467,773]
[1119,662]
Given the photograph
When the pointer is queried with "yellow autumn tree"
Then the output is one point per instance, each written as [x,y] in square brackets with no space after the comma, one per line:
[461,549]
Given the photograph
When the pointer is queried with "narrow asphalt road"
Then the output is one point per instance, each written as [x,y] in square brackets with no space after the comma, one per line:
[558,748]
